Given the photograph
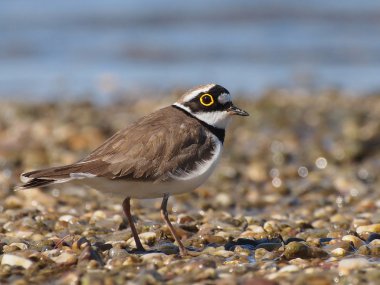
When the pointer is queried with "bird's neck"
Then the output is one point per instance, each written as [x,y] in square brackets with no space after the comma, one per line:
[218,132]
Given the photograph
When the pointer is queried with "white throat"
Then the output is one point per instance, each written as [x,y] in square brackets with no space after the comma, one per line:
[218,119]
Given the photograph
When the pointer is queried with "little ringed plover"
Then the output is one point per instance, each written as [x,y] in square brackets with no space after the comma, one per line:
[171,151]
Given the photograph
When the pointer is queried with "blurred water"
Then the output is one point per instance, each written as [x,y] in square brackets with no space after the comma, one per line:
[49,48]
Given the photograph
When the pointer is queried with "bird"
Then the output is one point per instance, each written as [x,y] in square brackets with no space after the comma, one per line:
[170,151]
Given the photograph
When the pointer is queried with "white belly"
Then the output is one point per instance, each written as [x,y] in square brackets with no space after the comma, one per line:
[181,182]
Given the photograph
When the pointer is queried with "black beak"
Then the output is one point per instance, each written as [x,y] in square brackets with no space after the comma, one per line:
[233,110]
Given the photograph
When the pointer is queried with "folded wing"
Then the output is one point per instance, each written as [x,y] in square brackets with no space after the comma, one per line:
[154,148]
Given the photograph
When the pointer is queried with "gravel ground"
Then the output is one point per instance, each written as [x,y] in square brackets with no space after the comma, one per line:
[295,199]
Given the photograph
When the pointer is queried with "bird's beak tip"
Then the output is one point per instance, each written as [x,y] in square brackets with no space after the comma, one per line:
[237,111]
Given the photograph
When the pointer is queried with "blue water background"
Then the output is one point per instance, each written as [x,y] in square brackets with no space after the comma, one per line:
[51,48]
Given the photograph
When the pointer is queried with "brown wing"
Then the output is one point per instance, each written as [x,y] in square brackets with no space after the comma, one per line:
[158,145]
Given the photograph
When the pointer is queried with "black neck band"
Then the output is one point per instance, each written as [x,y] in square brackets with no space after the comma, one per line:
[219,133]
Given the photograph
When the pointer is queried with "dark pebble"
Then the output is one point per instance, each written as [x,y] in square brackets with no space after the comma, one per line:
[270,246]
[102,246]
[89,253]
[325,240]
[250,244]
[293,239]
[372,237]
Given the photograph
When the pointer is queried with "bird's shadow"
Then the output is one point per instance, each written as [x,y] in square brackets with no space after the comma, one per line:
[143,252]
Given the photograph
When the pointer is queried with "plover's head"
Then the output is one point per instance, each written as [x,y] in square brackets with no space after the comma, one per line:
[211,104]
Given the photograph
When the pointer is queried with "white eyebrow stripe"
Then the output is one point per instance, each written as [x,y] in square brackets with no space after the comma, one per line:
[196,92]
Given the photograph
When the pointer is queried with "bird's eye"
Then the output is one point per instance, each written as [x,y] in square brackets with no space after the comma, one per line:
[206,100]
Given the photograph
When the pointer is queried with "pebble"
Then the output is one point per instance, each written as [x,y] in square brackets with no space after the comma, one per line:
[14,260]
[364,250]
[167,248]
[223,253]
[118,252]
[23,234]
[19,245]
[65,258]
[372,237]
[97,216]
[156,258]
[339,252]
[374,228]
[346,266]
[357,242]
[13,202]
[68,219]
[289,268]
[300,250]
[148,237]
[375,251]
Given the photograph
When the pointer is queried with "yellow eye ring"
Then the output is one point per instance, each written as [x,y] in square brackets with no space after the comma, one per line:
[209,98]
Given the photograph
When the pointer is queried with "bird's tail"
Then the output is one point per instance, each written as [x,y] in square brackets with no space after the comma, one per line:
[45,177]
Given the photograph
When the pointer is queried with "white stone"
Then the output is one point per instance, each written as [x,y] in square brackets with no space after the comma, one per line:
[68,218]
[14,260]
[290,268]
[20,245]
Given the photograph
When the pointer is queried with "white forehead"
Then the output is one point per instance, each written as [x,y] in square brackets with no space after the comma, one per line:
[224,98]
[195,92]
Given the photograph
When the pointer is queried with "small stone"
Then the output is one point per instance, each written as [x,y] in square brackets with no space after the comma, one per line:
[357,242]
[346,266]
[364,250]
[13,202]
[339,252]
[19,245]
[65,258]
[290,268]
[374,228]
[168,248]
[184,219]
[223,253]
[297,249]
[148,237]
[214,239]
[372,237]
[272,227]
[339,219]
[118,253]
[155,258]
[375,250]
[339,248]
[300,250]
[223,200]
[357,222]
[242,251]
[270,246]
[97,216]
[375,242]
[68,219]
[14,260]
[23,234]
